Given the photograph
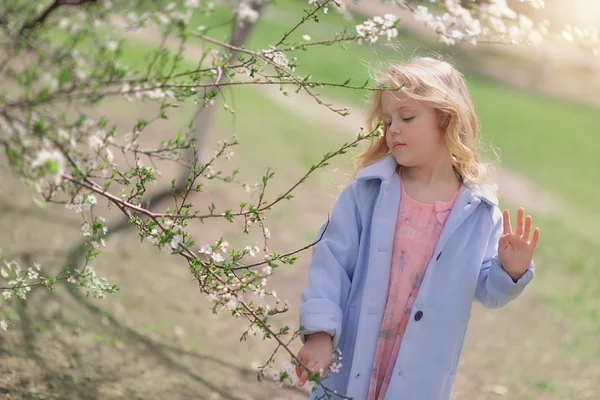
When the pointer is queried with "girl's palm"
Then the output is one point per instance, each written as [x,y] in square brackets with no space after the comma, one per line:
[515,249]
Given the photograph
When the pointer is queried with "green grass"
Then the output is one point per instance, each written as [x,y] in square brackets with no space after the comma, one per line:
[567,279]
[137,56]
[551,142]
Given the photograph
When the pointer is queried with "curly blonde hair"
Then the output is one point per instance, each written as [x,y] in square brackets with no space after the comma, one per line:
[441,86]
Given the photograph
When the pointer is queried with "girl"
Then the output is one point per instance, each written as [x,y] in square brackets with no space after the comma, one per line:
[411,242]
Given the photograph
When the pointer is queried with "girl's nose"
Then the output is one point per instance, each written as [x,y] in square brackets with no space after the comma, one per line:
[394,131]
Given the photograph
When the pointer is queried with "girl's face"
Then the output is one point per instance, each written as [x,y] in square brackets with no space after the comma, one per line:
[412,130]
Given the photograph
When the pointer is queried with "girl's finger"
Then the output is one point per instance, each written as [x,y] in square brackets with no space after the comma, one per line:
[506,222]
[520,215]
[536,236]
[304,372]
[302,379]
[527,231]
[300,362]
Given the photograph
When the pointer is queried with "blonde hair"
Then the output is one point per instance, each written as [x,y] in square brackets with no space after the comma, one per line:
[441,86]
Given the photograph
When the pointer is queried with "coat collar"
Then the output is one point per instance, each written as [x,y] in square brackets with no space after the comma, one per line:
[385,169]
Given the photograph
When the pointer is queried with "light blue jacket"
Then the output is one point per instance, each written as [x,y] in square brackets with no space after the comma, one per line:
[348,283]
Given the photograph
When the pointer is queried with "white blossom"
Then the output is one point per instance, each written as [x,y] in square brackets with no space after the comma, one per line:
[94,285]
[537,4]
[288,367]
[307,38]
[86,229]
[217,257]
[252,250]
[277,57]
[7,294]
[63,23]
[53,161]
[176,240]
[92,199]
[3,325]
[212,297]
[276,375]
[210,171]
[126,88]
[78,205]
[371,29]
[192,4]
[206,249]
[568,36]
[232,303]
[163,19]
[31,274]
[223,247]
[111,45]
[335,367]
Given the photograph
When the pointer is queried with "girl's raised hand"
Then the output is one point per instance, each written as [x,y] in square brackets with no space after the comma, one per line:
[515,249]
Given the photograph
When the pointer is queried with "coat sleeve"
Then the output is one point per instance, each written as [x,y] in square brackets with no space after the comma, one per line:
[330,270]
[495,287]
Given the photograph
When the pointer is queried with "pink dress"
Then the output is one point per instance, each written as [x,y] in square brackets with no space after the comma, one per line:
[417,232]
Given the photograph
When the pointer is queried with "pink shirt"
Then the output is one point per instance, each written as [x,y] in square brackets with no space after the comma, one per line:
[417,231]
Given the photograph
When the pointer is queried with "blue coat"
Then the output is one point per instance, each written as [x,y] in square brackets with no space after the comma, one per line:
[348,282]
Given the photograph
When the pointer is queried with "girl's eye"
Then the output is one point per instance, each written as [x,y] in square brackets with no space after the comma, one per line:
[387,124]
[407,119]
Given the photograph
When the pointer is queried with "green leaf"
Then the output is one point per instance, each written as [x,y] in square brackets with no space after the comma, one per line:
[39,203]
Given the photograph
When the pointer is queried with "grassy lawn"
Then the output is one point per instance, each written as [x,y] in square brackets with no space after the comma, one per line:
[551,142]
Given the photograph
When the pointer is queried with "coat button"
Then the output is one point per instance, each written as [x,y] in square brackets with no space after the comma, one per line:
[399,373]
[357,375]
[418,315]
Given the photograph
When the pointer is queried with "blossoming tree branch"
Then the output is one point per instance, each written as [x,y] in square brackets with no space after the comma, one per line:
[68,158]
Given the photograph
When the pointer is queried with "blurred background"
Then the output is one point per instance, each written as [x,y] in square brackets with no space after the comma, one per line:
[157,337]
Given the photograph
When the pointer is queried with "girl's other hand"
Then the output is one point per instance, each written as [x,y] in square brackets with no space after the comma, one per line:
[316,354]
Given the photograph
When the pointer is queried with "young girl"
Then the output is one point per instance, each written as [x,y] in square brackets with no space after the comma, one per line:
[411,242]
